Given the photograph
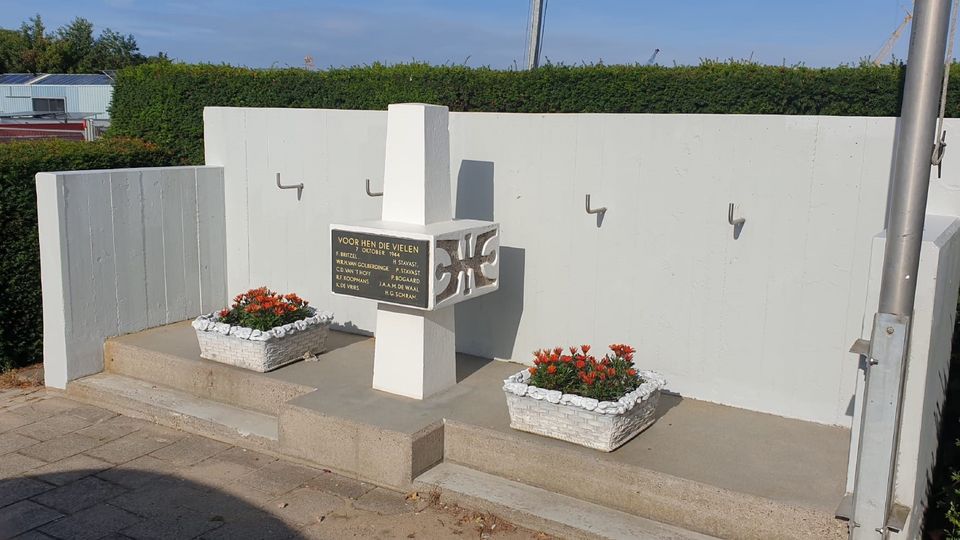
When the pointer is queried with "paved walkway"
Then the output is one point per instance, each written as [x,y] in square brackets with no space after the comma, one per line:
[70,470]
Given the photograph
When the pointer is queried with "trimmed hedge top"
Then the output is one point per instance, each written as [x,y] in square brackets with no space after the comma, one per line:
[21,317]
[163,103]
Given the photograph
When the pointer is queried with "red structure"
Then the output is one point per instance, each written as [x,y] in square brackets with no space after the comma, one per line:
[75,131]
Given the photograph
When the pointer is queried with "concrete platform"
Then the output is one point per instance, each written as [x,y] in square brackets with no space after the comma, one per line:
[704,467]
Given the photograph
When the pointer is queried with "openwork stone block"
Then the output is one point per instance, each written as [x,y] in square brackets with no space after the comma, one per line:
[601,425]
[262,351]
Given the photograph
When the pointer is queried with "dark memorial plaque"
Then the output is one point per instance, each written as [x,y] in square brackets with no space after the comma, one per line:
[380,267]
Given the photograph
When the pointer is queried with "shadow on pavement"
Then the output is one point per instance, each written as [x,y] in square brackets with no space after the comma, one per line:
[131,503]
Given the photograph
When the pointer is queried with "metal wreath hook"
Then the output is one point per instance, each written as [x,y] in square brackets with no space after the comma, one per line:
[373,193]
[298,187]
[600,210]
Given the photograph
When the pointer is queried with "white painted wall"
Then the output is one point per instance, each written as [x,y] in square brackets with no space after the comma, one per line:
[123,250]
[762,322]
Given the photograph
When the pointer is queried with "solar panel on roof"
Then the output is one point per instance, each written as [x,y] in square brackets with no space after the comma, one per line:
[74,79]
[16,78]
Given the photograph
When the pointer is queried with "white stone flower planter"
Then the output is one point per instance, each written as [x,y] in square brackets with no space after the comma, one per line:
[262,351]
[602,425]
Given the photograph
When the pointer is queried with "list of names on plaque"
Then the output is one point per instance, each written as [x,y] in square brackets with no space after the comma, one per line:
[381,267]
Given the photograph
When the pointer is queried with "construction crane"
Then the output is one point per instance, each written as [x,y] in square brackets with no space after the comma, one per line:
[653,57]
[884,51]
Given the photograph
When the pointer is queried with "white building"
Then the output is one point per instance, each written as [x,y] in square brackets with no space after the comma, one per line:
[58,105]
[88,94]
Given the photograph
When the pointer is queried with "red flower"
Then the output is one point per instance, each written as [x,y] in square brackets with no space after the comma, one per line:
[581,364]
[632,372]
[551,369]
[532,370]
[611,372]
[566,359]
[224,313]
[586,348]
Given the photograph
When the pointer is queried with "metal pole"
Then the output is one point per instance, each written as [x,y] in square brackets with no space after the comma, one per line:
[875,510]
[918,121]
[536,34]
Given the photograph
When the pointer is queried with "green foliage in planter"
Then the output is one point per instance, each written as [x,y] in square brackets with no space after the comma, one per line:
[20,299]
[163,103]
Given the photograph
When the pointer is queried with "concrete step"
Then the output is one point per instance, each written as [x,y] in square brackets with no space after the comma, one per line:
[638,491]
[542,510]
[169,356]
[177,409]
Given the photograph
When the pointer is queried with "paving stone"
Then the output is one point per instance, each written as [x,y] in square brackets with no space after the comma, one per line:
[11,420]
[70,469]
[44,408]
[54,426]
[385,502]
[190,450]
[132,446]
[60,447]
[215,471]
[304,506]
[92,414]
[279,477]
[160,496]
[138,472]
[217,503]
[91,523]
[340,485]
[81,494]
[11,442]
[15,464]
[25,515]
[34,535]
[114,428]
[247,458]
[250,496]
[181,523]
[254,527]
[17,489]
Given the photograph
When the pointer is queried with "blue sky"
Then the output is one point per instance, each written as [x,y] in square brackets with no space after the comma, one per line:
[486,32]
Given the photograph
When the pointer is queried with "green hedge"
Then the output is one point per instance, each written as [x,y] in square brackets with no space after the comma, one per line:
[20,299]
[163,103]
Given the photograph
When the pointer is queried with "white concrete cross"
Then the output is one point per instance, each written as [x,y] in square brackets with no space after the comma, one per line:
[415,352]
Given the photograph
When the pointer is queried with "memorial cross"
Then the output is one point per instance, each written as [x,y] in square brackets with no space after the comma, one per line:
[417,261]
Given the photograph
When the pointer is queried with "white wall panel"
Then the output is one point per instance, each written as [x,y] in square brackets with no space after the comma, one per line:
[124,250]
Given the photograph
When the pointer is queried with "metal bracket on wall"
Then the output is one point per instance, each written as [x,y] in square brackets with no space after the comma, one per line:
[737,223]
[373,193]
[600,210]
[298,187]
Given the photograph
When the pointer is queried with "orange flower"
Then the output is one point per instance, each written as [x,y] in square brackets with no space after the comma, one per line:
[585,348]
[631,372]
[581,364]
[551,369]
[532,370]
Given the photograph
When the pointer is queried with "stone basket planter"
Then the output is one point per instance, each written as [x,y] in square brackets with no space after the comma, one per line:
[262,351]
[601,425]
